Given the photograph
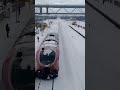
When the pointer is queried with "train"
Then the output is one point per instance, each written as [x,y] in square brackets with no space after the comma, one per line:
[47,57]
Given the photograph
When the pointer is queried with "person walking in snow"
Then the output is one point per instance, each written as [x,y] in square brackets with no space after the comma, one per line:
[7,30]
[38,38]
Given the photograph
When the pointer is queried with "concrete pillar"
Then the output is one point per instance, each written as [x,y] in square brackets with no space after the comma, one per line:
[47,9]
[40,10]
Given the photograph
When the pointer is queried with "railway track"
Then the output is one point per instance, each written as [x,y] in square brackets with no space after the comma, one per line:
[44,84]
[76,31]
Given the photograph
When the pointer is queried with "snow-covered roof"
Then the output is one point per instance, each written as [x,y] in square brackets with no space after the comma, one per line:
[50,43]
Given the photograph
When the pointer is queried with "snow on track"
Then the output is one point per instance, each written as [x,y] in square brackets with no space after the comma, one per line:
[79,29]
[37,83]
[46,85]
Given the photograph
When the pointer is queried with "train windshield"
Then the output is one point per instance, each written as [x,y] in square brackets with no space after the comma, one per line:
[47,57]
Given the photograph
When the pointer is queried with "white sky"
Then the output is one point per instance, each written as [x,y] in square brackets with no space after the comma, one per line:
[69,2]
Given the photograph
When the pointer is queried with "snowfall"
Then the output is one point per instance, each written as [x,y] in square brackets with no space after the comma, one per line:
[71,59]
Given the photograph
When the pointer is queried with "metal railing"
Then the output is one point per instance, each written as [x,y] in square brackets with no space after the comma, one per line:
[59,9]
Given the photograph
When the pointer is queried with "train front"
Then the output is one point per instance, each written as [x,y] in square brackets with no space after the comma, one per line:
[48,59]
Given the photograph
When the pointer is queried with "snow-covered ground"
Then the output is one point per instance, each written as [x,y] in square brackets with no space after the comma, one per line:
[72,59]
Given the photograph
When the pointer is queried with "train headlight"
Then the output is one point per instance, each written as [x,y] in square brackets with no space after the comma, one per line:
[47,65]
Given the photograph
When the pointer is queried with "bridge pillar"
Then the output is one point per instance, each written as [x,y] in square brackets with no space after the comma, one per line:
[40,10]
[47,10]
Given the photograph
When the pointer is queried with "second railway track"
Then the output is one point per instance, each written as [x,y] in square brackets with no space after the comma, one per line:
[77,31]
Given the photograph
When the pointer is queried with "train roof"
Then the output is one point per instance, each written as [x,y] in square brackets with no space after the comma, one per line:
[51,40]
